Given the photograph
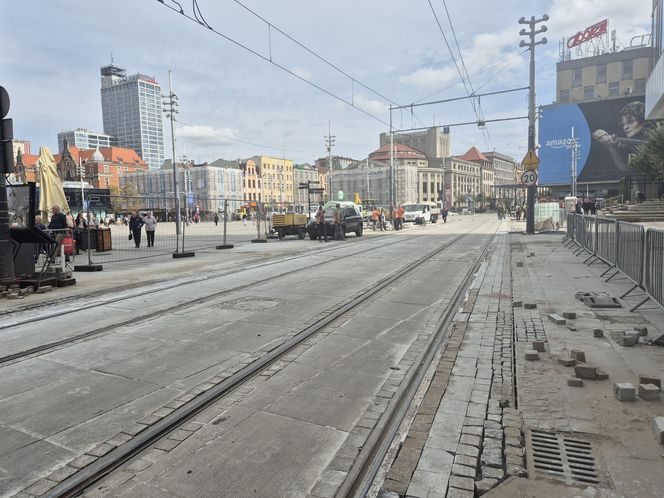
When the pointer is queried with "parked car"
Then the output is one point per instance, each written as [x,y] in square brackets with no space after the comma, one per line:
[351,220]
[419,213]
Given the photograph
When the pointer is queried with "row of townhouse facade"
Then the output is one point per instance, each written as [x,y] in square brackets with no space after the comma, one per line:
[455,180]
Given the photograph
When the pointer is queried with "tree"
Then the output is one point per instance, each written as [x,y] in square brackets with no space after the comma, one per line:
[125,199]
[649,156]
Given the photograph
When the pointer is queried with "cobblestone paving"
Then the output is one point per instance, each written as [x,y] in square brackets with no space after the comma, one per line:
[529,328]
[474,440]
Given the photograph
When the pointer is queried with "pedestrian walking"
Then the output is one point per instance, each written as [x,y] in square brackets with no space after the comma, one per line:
[382,219]
[59,224]
[216,219]
[135,225]
[79,225]
[320,225]
[338,229]
[444,213]
[150,227]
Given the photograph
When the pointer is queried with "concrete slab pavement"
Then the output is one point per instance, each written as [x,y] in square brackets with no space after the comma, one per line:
[477,432]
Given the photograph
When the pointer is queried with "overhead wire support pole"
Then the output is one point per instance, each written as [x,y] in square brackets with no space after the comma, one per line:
[531,44]
[171,110]
[391,193]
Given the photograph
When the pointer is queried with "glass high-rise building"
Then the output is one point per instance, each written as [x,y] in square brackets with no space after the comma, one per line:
[132,112]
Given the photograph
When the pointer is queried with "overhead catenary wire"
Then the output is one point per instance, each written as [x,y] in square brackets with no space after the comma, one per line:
[267,59]
[469,92]
[480,113]
[352,79]
[506,62]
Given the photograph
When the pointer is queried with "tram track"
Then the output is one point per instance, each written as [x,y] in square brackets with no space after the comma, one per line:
[363,473]
[50,346]
[91,474]
[179,283]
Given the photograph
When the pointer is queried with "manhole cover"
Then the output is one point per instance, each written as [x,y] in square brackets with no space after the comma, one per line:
[566,458]
[250,304]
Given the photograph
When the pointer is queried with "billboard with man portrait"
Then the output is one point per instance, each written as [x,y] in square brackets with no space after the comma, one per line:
[606,133]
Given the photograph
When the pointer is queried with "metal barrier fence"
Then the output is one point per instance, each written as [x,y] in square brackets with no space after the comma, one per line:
[606,233]
[589,234]
[654,266]
[631,251]
[579,230]
[630,248]
[570,226]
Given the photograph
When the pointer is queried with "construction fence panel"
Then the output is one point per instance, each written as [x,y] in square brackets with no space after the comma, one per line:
[579,229]
[631,251]
[654,265]
[570,226]
[607,239]
[589,233]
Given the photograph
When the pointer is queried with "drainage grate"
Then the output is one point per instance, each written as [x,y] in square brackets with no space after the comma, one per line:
[562,457]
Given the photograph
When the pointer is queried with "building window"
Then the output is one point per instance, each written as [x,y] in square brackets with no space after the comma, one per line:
[576,77]
[601,74]
[640,85]
[627,70]
[588,92]
[614,89]
[564,96]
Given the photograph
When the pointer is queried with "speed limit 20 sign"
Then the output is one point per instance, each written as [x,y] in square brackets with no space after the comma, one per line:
[529,178]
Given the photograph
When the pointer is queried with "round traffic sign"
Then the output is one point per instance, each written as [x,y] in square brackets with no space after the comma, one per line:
[529,177]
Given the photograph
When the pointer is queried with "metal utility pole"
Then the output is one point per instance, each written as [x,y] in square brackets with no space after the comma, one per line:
[329,143]
[531,44]
[171,103]
[573,143]
[391,161]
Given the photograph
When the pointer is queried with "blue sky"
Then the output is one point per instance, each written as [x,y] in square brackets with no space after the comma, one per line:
[53,49]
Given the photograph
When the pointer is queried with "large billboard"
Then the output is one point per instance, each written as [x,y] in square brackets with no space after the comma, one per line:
[606,133]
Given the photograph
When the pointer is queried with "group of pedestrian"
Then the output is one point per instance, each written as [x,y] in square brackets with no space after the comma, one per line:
[378,219]
[520,212]
[397,217]
[136,223]
[321,228]
[585,206]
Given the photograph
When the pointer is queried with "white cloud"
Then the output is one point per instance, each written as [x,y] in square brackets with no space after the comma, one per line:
[302,73]
[430,78]
[372,106]
[205,136]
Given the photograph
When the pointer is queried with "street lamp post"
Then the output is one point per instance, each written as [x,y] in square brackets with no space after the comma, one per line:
[531,44]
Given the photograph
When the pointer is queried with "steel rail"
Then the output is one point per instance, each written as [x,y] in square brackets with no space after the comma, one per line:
[43,348]
[223,273]
[363,473]
[78,482]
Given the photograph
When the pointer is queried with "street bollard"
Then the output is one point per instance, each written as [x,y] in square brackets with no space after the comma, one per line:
[225,245]
[258,225]
[90,266]
[183,253]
